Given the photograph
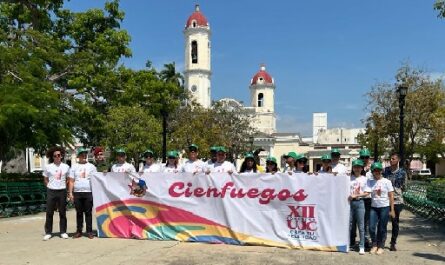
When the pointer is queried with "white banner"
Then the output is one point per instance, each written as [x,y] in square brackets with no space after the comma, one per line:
[282,210]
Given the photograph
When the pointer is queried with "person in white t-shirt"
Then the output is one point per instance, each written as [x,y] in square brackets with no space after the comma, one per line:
[358,190]
[221,165]
[193,164]
[337,167]
[122,165]
[382,206]
[55,178]
[290,158]
[172,165]
[365,156]
[150,166]
[80,192]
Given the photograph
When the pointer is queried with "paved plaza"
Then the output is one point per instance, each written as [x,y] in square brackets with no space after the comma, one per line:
[421,242]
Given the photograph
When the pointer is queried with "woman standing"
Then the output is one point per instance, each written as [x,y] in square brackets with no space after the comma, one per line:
[326,164]
[300,164]
[271,165]
[358,190]
[382,206]
[172,165]
[80,192]
[55,176]
[150,166]
[249,165]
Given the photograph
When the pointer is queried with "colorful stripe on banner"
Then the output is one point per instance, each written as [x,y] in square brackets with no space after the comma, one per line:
[142,219]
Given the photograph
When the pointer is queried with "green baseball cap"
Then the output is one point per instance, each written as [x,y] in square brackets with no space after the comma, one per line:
[271,159]
[248,155]
[193,146]
[291,154]
[301,157]
[335,151]
[214,148]
[358,162]
[365,153]
[326,157]
[221,149]
[148,151]
[120,150]
[376,165]
[172,153]
[81,150]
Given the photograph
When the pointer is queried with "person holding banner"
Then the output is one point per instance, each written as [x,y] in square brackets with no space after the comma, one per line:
[337,167]
[172,165]
[99,160]
[291,159]
[149,164]
[79,191]
[221,165]
[382,207]
[55,178]
[365,156]
[300,164]
[326,164]
[271,165]
[249,164]
[122,165]
[358,190]
[212,159]
[193,164]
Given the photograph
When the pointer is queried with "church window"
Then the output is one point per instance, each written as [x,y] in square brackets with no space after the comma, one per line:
[194,88]
[194,51]
[260,99]
[194,24]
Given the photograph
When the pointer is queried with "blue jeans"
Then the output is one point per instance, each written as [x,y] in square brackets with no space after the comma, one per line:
[377,228]
[357,218]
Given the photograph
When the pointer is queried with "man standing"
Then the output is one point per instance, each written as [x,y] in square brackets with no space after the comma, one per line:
[122,165]
[365,156]
[193,164]
[221,165]
[291,158]
[397,176]
[99,160]
[337,167]
[150,166]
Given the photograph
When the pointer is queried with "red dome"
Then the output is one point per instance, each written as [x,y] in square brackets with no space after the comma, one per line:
[262,77]
[198,17]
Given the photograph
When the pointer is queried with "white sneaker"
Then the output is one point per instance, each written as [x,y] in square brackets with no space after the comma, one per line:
[64,236]
[362,251]
[47,237]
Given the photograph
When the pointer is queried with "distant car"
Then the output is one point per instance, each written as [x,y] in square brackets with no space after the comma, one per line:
[421,172]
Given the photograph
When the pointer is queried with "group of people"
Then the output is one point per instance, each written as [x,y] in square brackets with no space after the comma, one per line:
[375,192]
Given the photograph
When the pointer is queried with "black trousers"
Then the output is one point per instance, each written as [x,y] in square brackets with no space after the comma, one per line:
[395,223]
[55,199]
[83,201]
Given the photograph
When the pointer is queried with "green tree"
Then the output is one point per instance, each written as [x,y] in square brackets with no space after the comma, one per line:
[131,127]
[424,113]
[439,5]
[57,70]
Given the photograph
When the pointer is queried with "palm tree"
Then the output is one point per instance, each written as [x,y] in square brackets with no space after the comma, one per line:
[169,74]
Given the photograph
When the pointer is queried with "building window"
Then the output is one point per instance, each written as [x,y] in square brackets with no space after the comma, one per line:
[194,51]
[194,23]
[260,100]
[194,88]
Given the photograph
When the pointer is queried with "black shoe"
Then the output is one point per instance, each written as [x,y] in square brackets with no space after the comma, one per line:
[393,247]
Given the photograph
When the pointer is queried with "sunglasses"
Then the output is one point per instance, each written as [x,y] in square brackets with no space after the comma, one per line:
[57,155]
[171,157]
[148,156]
[364,157]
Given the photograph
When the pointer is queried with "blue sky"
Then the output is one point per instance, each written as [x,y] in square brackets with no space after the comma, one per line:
[324,55]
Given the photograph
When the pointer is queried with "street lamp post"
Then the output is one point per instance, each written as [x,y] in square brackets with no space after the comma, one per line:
[164,135]
[401,91]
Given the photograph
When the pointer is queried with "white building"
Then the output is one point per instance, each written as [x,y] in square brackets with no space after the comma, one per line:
[197,58]
[319,123]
